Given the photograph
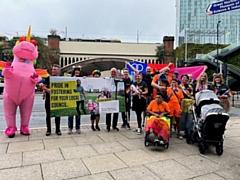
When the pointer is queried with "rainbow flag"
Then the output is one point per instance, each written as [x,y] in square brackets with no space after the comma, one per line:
[215,91]
[2,64]
[228,93]
[128,92]
[160,126]
[42,72]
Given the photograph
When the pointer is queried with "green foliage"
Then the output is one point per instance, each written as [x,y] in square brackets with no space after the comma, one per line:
[193,49]
[46,55]
[160,53]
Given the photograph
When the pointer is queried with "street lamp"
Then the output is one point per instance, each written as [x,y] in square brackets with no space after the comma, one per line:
[217,42]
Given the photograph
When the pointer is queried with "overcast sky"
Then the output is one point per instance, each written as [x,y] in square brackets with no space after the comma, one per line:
[92,19]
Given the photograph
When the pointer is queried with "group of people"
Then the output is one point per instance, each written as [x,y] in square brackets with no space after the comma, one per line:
[155,94]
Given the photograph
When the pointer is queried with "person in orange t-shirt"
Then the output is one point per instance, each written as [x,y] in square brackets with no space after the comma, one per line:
[158,122]
[158,83]
[175,97]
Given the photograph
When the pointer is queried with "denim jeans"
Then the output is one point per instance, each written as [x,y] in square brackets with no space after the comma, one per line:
[70,122]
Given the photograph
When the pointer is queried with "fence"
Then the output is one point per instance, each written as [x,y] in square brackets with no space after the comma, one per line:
[235,99]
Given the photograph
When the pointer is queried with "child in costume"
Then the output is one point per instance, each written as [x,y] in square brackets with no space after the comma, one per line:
[92,107]
[20,81]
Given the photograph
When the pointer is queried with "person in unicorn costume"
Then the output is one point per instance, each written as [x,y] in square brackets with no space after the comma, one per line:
[20,81]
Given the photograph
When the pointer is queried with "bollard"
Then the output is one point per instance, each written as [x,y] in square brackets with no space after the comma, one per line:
[233,99]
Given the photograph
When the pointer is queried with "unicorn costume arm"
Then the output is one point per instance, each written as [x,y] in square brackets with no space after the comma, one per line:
[35,78]
[8,70]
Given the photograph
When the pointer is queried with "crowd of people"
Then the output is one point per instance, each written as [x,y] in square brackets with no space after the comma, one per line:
[152,94]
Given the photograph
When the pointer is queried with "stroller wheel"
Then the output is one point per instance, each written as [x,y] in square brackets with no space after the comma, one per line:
[166,145]
[201,148]
[219,151]
[146,143]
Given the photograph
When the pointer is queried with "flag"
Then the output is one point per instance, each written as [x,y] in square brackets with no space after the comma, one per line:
[128,92]
[42,72]
[139,66]
[2,64]
[228,93]
[215,91]
[159,126]
[194,70]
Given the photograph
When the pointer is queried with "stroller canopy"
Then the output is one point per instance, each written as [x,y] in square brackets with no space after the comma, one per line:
[211,108]
[206,97]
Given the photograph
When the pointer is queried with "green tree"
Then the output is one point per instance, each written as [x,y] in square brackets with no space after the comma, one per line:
[160,53]
[193,49]
[46,56]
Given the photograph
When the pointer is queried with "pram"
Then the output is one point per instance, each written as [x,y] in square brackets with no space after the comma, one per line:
[161,126]
[209,122]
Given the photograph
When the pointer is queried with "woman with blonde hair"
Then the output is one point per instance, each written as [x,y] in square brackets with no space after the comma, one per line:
[202,83]
[222,91]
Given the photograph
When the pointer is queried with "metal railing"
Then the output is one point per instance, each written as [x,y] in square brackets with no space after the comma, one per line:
[235,98]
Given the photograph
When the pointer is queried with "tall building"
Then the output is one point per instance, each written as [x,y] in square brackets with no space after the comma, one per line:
[193,25]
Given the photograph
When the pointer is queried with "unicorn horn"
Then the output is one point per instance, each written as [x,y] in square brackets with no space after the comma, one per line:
[28,38]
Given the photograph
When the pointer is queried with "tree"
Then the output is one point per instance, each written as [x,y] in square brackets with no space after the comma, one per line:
[45,54]
[53,32]
[160,53]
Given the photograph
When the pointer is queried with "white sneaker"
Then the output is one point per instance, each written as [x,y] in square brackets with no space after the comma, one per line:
[78,131]
[69,131]
[139,131]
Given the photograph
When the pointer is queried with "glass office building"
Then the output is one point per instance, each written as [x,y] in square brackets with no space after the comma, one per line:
[193,25]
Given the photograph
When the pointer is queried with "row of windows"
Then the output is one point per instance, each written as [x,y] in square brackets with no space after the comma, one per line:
[70,60]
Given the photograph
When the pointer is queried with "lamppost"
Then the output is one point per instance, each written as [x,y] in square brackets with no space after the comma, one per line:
[217,42]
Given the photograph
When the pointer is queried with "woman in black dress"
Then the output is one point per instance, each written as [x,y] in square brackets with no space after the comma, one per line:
[222,91]
[139,91]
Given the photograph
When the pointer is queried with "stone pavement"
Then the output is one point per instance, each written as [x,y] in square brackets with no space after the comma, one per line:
[114,155]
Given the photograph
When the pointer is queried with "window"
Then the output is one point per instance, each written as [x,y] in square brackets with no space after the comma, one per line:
[65,61]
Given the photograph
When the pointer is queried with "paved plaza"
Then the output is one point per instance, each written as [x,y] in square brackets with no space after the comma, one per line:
[115,155]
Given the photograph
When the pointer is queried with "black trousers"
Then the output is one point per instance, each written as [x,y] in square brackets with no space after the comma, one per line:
[127,113]
[48,118]
[108,120]
[82,107]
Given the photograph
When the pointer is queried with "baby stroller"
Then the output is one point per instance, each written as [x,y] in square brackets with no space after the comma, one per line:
[209,121]
[161,126]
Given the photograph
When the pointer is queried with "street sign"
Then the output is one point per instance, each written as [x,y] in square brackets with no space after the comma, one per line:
[223,6]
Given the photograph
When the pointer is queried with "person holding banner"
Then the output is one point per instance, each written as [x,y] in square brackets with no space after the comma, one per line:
[202,83]
[46,88]
[161,81]
[186,118]
[126,115]
[147,78]
[77,73]
[139,92]
[175,96]
[96,116]
[222,91]
[113,74]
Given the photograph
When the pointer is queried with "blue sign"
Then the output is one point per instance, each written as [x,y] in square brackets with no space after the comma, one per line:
[223,6]
[139,66]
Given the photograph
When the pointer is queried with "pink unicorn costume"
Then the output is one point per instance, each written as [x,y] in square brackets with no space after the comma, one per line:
[19,86]
[92,107]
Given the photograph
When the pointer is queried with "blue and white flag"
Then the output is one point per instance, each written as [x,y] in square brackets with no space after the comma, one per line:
[141,67]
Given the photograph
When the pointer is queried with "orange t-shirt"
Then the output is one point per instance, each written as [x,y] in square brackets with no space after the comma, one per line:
[173,98]
[155,79]
[154,107]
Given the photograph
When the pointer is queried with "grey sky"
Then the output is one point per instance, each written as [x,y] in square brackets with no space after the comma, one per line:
[90,18]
